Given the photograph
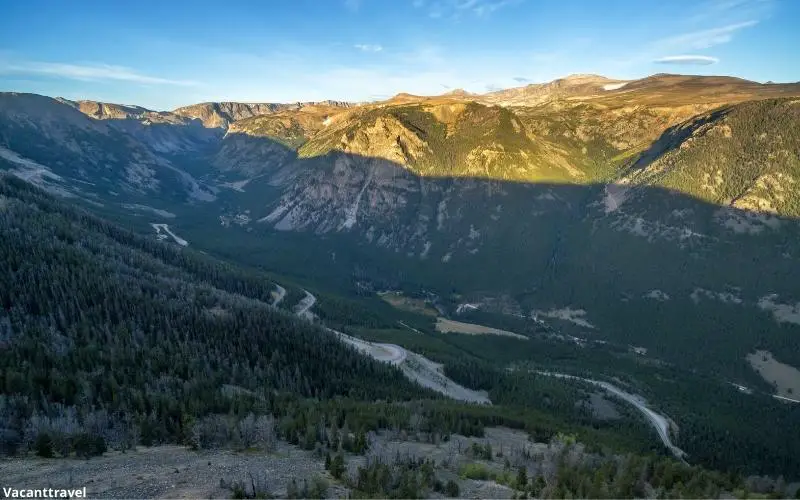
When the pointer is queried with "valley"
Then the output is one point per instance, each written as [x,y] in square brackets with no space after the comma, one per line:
[415,269]
[428,374]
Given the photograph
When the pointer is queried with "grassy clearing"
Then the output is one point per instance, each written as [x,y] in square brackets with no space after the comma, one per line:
[785,378]
[399,301]
[449,326]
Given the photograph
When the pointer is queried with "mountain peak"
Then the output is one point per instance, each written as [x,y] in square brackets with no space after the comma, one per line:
[458,92]
[584,76]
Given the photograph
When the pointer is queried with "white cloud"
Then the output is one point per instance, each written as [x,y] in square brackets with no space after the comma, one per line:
[366,47]
[455,8]
[704,39]
[521,79]
[687,59]
[90,72]
[721,11]
[682,43]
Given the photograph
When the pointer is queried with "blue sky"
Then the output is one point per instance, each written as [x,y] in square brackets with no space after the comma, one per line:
[163,54]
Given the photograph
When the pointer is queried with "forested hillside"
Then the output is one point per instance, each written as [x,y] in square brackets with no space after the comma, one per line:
[96,318]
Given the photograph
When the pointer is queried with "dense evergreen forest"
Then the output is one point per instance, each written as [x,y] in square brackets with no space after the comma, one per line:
[730,431]
[95,318]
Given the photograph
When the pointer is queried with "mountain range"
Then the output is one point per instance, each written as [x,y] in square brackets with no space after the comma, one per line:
[641,232]
[660,212]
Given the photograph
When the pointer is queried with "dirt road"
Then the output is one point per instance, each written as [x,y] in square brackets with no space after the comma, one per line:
[658,421]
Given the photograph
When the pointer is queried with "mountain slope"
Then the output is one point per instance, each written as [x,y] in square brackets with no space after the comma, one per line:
[656,219]
[655,90]
[163,132]
[743,156]
[94,316]
[594,254]
[522,209]
[87,157]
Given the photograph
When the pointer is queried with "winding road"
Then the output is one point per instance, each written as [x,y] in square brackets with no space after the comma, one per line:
[280,294]
[430,374]
[658,421]
[415,367]
[303,308]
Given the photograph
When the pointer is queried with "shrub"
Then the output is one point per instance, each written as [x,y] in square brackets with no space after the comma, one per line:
[337,467]
[452,489]
[474,471]
[44,445]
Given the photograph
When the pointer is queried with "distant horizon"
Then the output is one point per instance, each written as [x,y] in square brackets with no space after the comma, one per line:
[308,101]
[163,55]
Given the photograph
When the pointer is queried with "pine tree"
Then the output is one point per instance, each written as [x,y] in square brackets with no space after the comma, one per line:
[522,478]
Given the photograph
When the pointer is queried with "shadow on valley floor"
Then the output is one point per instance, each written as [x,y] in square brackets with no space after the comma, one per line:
[645,265]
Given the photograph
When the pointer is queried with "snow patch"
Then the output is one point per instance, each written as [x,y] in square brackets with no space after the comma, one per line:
[276,214]
[241,220]
[614,86]
[35,169]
